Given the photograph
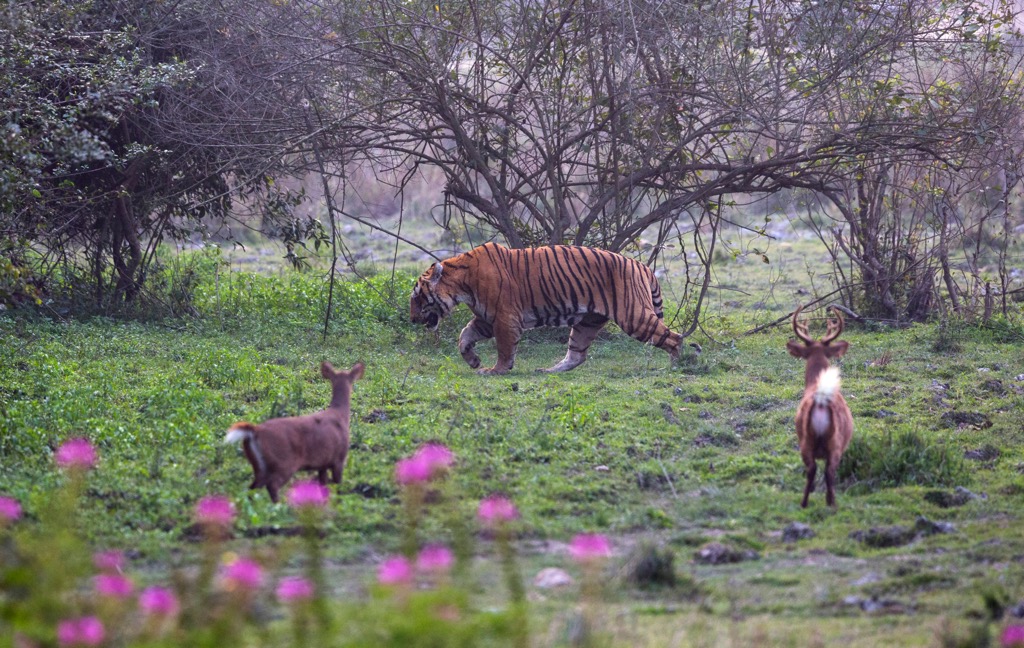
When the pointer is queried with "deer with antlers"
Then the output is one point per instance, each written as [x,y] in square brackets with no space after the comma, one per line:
[824,425]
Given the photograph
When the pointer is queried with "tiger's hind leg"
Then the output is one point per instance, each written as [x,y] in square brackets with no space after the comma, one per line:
[580,338]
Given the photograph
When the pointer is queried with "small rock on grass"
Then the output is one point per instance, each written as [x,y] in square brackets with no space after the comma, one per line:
[875,605]
[926,527]
[946,499]
[962,420]
[552,577]
[797,531]
[898,535]
[883,537]
[716,553]
[986,452]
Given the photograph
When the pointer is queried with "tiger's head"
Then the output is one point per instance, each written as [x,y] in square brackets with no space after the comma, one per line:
[430,300]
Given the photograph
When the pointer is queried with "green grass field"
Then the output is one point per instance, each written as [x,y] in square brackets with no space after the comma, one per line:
[624,445]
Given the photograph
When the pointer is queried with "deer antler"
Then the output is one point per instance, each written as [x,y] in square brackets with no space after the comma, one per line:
[800,327]
[835,327]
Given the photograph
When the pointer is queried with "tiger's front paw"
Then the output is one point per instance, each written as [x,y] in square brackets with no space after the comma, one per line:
[471,358]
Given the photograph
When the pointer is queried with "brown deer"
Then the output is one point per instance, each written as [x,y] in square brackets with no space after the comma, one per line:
[824,425]
[280,447]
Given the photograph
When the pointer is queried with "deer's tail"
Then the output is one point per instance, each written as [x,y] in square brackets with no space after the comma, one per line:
[244,433]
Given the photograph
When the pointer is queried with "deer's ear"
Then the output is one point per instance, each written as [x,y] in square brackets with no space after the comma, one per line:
[435,278]
[796,349]
[327,370]
[837,349]
[357,371]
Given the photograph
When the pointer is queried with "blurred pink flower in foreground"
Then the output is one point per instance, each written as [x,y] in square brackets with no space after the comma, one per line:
[308,494]
[437,457]
[108,561]
[431,460]
[243,574]
[84,631]
[411,471]
[113,586]
[294,589]
[496,510]
[215,510]
[1012,637]
[158,602]
[10,509]
[587,547]
[75,453]
[394,571]
[434,559]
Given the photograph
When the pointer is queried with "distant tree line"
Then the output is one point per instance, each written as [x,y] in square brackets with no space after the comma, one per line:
[896,125]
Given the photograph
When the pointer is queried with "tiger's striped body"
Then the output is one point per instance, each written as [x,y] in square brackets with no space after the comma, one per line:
[510,291]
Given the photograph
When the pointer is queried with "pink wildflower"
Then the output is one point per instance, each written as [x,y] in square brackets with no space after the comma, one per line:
[587,547]
[10,510]
[75,453]
[437,458]
[412,470]
[308,494]
[108,561]
[1012,637]
[434,559]
[84,631]
[159,602]
[496,510]
[294,589]
[243,574]
[113,586]
[394,571]
[215,511]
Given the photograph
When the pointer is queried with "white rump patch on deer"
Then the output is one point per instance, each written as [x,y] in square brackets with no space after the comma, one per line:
[828,385]
[825,391]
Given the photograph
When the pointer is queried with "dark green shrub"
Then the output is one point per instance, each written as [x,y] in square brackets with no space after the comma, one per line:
[949,336]
[901,457]
[651,566]
[1006,330]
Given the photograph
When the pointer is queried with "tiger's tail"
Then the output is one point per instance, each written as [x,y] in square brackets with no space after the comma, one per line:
[659,310]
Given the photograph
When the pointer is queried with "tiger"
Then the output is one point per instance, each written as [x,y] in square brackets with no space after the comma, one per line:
[511,290]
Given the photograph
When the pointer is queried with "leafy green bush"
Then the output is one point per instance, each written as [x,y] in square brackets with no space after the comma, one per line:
[17,283]
[236,299]
[1006,330]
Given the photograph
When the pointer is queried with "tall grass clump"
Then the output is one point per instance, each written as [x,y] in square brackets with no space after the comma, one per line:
[651,566]
[901,457]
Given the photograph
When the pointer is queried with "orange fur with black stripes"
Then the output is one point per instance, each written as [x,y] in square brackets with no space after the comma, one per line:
[510,291]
